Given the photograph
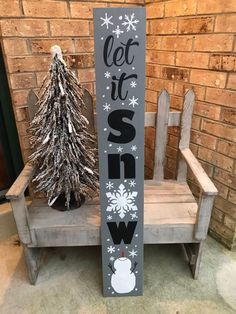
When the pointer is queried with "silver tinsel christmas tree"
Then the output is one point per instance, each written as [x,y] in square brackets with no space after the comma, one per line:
[60,140]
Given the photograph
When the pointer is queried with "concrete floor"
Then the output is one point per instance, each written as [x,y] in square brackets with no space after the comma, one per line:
[70,280]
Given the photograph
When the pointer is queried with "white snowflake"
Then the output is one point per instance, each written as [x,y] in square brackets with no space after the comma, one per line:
[109,217]
[119,149]
[132,183]
[106,20]
[133,216]
[133,148]
[133,84]
[111,249]
[112,258]
[130,22]
[107,74]
[109,185]
[121,201]
[133,253]
[133,101]
[107,107]
[117,31]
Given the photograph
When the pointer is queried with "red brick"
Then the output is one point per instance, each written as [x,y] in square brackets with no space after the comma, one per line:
[221,231]
[84,10]
[226,148]
[158,85]
[229,222]
[151,107]
[208,78]
[216,6]
[219,130]
[176,103]
[40,78]
[221,97]
[42,46]
[23,81]
[160,57]
[152,42]
[19,97]
[228,115]
[210,111]
[192,60]
[150,137]
[231,81]
[222,189]
[214,42]
[10,8]
[177,8]
[225,23]
[175,74]
[163,26]
[225,177]
[149,157]
[232,196]
[222,62]
[84,45]
[87,75]
[151,96]
[215,158]
[217,214]
[28,64]
[80,61]
[22,127]
[45,8]
[226,206]
[69,28]
[155,10]
[196,25]
[203,139]
[174,43]
[181,89]
[21,114]
[153,70]
[196,122]
[14,47]
[24,28]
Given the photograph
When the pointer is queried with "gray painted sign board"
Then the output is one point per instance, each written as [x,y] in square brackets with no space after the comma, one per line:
[120,84]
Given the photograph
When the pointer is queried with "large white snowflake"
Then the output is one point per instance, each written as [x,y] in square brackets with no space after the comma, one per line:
[107,107]
[121,201]
[133,253]
[117,31]
[111,249]
[130,22]
[106,20]
[133,101]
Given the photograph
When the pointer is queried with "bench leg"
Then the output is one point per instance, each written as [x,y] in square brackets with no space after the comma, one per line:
[194,253]
[32,258]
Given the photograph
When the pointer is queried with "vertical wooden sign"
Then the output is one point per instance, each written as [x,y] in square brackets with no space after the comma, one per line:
[120,80]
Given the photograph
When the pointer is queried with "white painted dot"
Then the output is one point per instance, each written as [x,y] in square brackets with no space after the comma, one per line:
[118,249]
[135,245]
[113,292]
[105,129]
[108,87]
[136,36]
[119,70]
[136,289]
[126,247]
[125,180]
[136,272]
[109,275]
[105,151]
[110,145]
[103,96]
[109,288]
[136,157]
[122,103]
[120,17]
[136,235]
[102,38]
[133,68]
[108,240]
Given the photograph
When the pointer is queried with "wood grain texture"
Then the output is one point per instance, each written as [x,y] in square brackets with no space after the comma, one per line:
[204,181]
[161,135]
[173,120]
[21,183]
[185,126]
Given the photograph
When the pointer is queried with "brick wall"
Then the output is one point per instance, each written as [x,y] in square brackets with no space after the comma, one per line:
[190,43]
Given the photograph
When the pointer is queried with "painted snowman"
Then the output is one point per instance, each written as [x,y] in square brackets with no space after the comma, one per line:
[123,279]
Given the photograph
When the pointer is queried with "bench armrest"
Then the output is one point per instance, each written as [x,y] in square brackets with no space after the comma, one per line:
[21,183]
[207,186]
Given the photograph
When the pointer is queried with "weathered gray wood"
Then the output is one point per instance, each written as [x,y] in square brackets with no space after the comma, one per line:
[32,258]
[194,254]
[21,183]
[19,209]
[204,216]
[174,118]
[204,181]
[31,103]
[161,135]
[186,122]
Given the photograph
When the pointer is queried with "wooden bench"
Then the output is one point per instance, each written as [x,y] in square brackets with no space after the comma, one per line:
[171,213]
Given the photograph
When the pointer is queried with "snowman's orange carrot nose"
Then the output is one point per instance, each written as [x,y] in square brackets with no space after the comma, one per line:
[122,254]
